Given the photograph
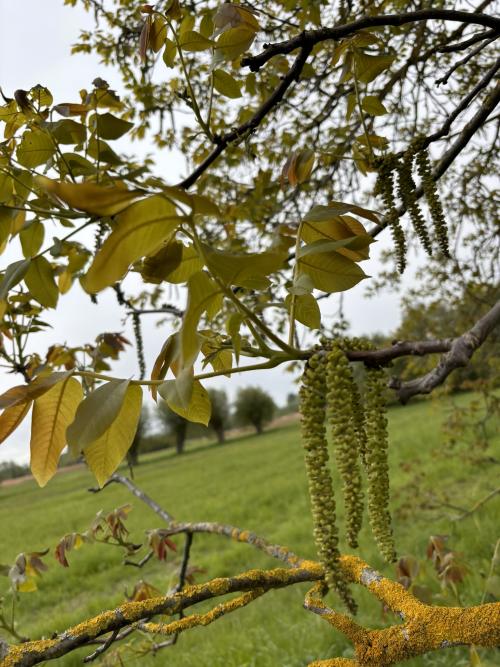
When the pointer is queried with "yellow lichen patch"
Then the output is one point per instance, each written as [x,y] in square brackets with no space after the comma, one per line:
[243,536]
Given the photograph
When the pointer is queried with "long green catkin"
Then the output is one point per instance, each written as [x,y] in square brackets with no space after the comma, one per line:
[340,389]
[377,462]
[312,410]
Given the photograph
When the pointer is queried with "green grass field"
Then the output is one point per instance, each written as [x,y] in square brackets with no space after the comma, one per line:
[257,483]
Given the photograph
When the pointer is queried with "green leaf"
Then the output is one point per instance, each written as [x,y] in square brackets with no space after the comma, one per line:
[90,197]
[372,105]
[156,268]
[52,414]
[100,150]
[369,67]
[244,270]
[169,53]
[40,282]
[306,310]
[6,187]
[138,232]
[105,454]
[13,275]
[32,238]
[226,85]
[67,131]
[199,408]
[339,229]
[36,148]
[331,271]
[96,414]
[194,41]
[108,126]
[204,295]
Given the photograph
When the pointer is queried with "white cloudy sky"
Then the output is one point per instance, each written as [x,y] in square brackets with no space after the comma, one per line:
[35,39]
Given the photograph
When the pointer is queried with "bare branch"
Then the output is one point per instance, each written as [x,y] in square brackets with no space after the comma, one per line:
[459,355]
[312,37]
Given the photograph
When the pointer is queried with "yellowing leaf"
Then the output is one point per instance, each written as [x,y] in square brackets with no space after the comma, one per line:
[105,454]
[53,412]
[298,167]
[6,187]
[67,109]
[169,53]
[331,272]
[96,414]
[27,392]
[199,408]
[138,232]
[89,197]
[226,85]
[40,282]
[11,418]
[157,267]
[36,148]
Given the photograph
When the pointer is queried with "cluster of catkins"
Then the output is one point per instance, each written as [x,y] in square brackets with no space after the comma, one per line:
[329,396]
[408,195]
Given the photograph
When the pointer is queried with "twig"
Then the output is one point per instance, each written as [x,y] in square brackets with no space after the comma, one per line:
[477,505]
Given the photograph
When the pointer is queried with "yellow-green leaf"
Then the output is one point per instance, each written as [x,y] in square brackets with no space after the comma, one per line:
[31,238]
[372,105]
[199,408]
[138,232]
[226,85]
[169,53]
[204,295]
[36,148]
[157,267]
[105,454]
[96,414]
[369,67]
[233,42]
[40,282]
[6,187]
[190,264]
[108,126]
[52,414]
[11,418]
[13,275]
[244,270]
[89,197]
[331,272]
[194,41]
[306,310]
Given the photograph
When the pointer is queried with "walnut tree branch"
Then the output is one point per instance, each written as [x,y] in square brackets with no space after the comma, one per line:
[459,355]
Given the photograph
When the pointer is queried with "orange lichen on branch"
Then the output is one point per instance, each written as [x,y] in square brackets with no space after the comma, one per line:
[196,620]
[425,628]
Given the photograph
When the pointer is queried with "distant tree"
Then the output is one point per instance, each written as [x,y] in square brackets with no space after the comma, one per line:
[174,424]
[133,452]
[254,406]
[292,403]
[220,416]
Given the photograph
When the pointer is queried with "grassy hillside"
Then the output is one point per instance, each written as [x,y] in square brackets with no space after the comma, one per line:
[257,483]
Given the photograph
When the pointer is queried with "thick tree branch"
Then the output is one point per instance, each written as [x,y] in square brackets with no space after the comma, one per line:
[240,132]
[312,37]
[460,353]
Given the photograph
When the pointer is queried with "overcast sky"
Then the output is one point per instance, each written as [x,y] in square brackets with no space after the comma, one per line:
[35,40]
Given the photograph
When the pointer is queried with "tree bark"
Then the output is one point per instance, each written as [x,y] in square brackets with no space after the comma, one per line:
[180,437]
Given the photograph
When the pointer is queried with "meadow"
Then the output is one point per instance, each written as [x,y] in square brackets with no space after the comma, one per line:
[255,482]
